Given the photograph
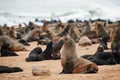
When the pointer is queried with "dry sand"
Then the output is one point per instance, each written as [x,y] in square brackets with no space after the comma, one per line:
[106,72]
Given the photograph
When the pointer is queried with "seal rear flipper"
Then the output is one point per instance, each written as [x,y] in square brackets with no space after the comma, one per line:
[67,68]
[92,68]
[87,68]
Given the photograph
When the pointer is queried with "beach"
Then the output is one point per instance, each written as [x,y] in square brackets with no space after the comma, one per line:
[44,20]
[106,72]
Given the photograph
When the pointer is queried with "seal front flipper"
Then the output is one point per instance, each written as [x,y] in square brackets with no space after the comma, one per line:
[68,68]
[6,69]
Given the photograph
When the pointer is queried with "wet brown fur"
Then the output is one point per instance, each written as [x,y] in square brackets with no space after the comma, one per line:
[69,55]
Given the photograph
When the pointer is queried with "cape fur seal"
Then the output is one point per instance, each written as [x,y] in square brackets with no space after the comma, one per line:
[32,35]
[12,32]
[85,41]
[116,39]
[56,49]
[6,69]
[33,54]
[104,41]
[100,30]
[72,30]
[89,56]
[5,52]
[104,58]
[13,44]
[37,54]
[71,63]
[46,54]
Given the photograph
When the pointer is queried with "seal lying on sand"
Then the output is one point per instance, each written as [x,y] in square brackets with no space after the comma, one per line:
[6,69]
[37,54]
[46,54]
[89,56]
[33,54]
[85,41]
[6,52]
[32,35]
[104,58]
[13,44]
[71,63]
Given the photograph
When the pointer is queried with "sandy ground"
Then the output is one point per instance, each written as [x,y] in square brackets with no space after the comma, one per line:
[106,72]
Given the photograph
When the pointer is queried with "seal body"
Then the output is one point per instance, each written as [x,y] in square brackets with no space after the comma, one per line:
[14,45]
[33,54]
[37,54]
[116,39]
[71,63]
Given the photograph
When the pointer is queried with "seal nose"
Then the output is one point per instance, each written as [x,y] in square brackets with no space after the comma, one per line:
[65,39]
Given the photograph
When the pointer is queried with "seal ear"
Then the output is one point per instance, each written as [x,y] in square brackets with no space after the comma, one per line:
[68,68]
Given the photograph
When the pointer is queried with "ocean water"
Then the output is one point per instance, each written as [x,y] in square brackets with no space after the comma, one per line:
[13,12]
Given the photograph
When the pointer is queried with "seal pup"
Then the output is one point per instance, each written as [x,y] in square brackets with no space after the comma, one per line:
[37,54]
[33,54]
[104,41]
[46,54]
[71,63]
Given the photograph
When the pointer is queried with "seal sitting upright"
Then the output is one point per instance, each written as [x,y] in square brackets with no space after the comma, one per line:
[71,63]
